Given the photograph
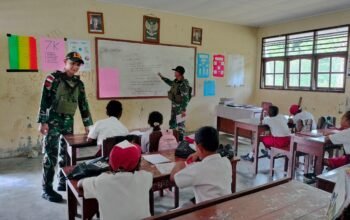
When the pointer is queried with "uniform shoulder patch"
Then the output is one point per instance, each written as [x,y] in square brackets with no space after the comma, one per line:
[48,82]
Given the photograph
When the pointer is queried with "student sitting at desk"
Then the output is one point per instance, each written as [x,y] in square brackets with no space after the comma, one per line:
[124,192]
[340,137]
[210,178]
[280,133]
[299,114]
[110,126]
[155,120]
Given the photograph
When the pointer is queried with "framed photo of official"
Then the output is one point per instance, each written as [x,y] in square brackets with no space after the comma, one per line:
[196,37]
[151,29]
[95,22]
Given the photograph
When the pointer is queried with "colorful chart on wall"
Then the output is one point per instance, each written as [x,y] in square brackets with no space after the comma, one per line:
[203,63]
[22,54]
[218,65]
[84,48]
[52,54]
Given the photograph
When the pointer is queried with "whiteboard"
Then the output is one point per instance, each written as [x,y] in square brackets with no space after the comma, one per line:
[129,69]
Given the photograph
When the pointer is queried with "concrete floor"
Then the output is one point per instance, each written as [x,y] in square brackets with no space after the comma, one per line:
[20,187]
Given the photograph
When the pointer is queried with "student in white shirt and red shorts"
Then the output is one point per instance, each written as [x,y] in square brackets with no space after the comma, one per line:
[280,133]
[340,137]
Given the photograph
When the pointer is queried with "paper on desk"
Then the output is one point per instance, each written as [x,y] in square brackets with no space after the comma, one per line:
[165,168]
[193,146]
[180,119]
[156,158]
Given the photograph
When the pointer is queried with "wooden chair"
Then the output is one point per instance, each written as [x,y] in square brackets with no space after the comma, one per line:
[154,138]
[299,127]
[109,143]
[325,122]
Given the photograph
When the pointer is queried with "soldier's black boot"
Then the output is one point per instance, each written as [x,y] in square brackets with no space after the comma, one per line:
[50,195]
[61,186]
[62,181]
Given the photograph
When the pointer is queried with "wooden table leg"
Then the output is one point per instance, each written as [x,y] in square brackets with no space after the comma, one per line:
[151,202]
[255,150]
[236,140]
[177,197]
[89,208]
[72,204]
[234,169]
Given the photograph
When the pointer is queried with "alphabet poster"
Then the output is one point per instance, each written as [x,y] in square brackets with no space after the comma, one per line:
[218,65]
[52,54]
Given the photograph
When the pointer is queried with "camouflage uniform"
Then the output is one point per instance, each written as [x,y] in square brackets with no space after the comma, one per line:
[60,123]
[179,95]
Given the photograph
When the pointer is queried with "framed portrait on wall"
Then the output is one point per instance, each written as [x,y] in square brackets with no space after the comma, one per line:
[197,35]
[151,29]
[95,22]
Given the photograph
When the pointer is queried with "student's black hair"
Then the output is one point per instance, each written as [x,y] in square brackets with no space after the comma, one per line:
[273,111]
[208,138]
[155,120]
[114,108]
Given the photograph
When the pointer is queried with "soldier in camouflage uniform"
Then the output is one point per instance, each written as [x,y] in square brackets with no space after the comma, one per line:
[62,93]
[179,95]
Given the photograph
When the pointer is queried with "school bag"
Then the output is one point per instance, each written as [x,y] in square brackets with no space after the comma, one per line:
[184,150]
[167,141]
[226,151]
[90,168]
[326,122]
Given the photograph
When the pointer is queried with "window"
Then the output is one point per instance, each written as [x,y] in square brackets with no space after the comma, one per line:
[312,60]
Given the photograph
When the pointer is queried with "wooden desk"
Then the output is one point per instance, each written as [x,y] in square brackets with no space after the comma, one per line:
[326,181]
[279,200]
[226,117]
[160,181]
[257,129]
[310,145]
[75,141]
[75,196]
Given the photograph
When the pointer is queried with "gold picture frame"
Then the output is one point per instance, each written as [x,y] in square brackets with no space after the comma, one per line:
[95,22]
[197,36]
[151,29]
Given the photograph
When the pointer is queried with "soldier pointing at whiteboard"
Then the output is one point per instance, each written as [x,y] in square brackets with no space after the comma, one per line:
[179,95]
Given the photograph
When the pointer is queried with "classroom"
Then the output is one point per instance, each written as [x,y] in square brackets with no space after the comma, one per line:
[239,67]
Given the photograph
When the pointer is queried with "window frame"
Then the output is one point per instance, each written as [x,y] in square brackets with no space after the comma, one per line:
[314,57]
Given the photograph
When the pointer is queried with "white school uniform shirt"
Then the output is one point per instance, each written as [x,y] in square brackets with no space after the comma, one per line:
[210,178]
[106,128]
[120,196]
[145,140]
[305,116]
[342,137]
[278,125]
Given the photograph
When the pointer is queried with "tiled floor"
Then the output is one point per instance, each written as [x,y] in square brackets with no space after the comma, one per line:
[20,187]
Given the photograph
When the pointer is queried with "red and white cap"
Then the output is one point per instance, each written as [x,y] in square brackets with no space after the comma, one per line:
[125,156]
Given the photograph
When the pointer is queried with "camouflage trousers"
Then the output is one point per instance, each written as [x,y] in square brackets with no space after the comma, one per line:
[174,125]
[55,146]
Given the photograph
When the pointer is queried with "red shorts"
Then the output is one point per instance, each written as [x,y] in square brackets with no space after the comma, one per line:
[278,142]
[336,162]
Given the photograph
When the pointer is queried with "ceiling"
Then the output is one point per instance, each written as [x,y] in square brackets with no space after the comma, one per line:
[256,13]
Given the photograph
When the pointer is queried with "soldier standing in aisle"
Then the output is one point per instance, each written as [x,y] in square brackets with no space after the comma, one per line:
[179,95]
[62,93]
